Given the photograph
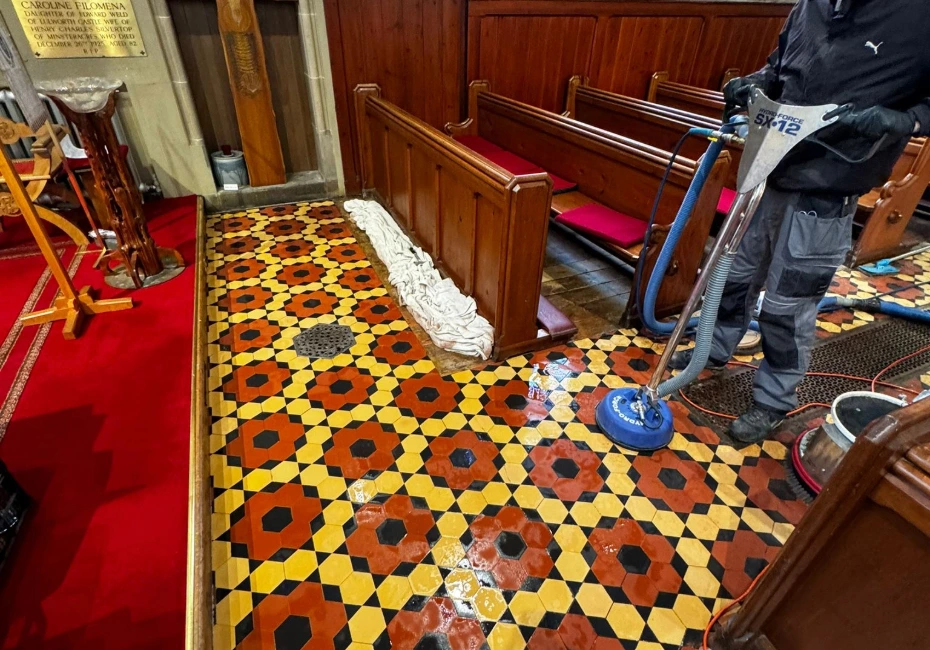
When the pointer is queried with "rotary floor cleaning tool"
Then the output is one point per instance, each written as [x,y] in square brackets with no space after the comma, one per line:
[639,418]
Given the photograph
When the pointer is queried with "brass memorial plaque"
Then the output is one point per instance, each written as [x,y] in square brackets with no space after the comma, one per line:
[70,29]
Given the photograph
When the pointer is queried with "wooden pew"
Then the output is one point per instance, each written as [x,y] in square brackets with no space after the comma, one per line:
[687,98]
[484,227]
[883,213]
[654,124]
[610,170]
[854,573]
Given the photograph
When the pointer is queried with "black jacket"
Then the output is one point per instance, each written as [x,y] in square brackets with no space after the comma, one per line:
[867,52]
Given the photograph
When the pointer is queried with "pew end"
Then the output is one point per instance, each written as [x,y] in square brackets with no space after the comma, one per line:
[484,227]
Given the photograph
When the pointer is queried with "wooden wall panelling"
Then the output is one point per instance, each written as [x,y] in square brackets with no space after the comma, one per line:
[248,77]
[414,49]
[742,42]
[197,29]
[288,81]
[530,58]
[629,49]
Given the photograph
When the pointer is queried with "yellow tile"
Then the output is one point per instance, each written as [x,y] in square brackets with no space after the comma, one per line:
[586,514]
[335,569]
[608,504]
[640,508]
[723,474]
[224,637]
[594,600]
[409,462]
[394,592]
[782,531]
[448,552]
[758,520]
[513,473]
[693,552]
[526,608]
[362,491]
[668,523]
[328,538]
[462,584]
[572,566]
[232,609]
[724,517]
[703,527]
[570,538]
[367,624]
[666,626]
[692,612]
[231,573]
[489,604]
[702,582]
[454,421]
[496,494]
[363,412]
[729,455]
[389,482]
[731,495]
[452,524]
[471,502]
[425,579]
[528,496]
[357,588]
[505,636]
[309,453]
[552,511]
[513,453]
[440,499]
[267,577]
[221,552]
[556,596]
[300,565]
[626,622]
[228,501]
[314,475]
[331,488]
[419,485]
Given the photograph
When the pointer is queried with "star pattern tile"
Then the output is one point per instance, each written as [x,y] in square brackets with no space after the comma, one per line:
[367,502]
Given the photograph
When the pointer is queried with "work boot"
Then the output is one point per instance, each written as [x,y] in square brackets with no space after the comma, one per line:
[756,424]
[680,361]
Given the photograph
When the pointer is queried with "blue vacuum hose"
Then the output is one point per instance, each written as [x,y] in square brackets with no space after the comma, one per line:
[877,306]
[674,234]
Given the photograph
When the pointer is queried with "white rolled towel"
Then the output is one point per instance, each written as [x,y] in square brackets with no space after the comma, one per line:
[450,318]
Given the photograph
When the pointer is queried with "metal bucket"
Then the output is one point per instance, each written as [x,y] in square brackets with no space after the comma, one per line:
[819,452]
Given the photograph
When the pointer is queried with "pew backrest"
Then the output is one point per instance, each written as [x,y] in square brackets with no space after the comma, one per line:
[688,98]
[483,227]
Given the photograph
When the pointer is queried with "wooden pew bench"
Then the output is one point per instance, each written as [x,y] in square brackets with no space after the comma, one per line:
[883,213]
[617,180]
[483,226]
[653,124]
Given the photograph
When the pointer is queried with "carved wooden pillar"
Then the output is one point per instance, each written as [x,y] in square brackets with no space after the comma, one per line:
[248,78]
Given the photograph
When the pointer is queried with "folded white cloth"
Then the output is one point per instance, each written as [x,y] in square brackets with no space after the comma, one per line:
[450,318]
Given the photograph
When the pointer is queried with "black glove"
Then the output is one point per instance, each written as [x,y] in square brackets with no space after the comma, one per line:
[737,91]
[877,121]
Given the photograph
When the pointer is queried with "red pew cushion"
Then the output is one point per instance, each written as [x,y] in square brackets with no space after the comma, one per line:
[727,196]
[477,144]
[513,163]
[600,221]
[560,185]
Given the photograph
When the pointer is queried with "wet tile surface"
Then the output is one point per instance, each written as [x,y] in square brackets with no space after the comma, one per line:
[365,501]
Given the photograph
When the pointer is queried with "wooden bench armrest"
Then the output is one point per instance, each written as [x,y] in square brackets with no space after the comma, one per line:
[458,128]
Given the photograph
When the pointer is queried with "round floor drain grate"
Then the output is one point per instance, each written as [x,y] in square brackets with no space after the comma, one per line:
[324,341]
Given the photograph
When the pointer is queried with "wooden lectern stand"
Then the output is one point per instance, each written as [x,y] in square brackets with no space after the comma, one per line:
[70,305]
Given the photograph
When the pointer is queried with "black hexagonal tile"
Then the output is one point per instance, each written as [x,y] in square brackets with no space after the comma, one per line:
[433,641]
[510,544]
[250,335]
[277,519]
[427,394]
[341,386]
[638,365]
[391,532]
[241,268]
[401,347]
[379,309]
[311,303]
[257,380]
[634,559]
[244,298]
[516,402]
[672,478]
[293,633]
[463,458]
[362,448]
[565,467]
[266,439]
[754,566]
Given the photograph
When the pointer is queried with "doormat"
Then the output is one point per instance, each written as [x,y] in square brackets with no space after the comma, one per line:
[862,353]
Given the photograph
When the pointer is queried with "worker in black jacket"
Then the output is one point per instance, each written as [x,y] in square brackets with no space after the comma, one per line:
[875,55]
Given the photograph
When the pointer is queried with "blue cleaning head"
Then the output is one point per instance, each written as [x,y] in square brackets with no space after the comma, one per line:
[629,420]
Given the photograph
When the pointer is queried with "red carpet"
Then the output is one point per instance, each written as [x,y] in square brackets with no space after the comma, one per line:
[100,439]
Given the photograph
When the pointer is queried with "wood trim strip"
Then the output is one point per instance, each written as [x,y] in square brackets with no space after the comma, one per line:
[623,8]
[199,617]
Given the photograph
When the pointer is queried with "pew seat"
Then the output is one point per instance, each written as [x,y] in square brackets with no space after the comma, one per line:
[607,225]
[512,162]
[727,196]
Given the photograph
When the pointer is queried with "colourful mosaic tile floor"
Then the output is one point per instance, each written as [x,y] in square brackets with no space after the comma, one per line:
[365,501]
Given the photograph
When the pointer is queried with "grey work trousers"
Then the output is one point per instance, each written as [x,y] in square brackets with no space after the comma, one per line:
[793,247]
